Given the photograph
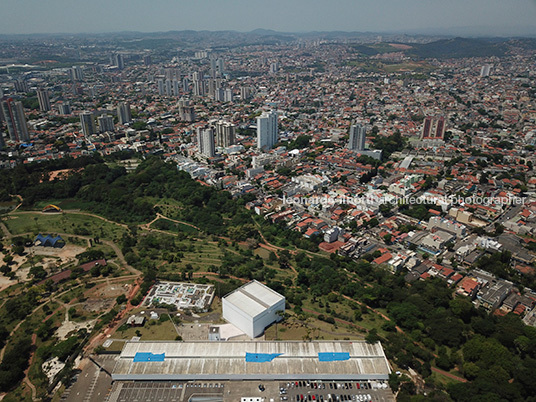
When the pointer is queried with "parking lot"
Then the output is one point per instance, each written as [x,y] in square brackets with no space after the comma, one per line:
[295,391]
[172,391]
[327,391]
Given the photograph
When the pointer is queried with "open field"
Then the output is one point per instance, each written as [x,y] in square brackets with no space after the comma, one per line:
[73,223]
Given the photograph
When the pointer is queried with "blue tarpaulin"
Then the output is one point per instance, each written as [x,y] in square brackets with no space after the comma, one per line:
[149,357]
[333,357]
[261,357]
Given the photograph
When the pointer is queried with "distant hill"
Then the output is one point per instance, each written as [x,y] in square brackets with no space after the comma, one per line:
[459,48]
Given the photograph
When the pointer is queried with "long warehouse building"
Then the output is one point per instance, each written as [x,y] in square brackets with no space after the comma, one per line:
[249,360]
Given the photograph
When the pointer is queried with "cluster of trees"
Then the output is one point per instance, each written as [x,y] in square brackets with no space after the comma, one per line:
[388,145]
[14,363]
[495,353]
[280,235]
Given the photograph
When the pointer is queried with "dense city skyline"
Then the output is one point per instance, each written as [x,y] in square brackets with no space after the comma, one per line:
[475,18]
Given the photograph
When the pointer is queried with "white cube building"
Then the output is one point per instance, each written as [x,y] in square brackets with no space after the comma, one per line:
[253,307]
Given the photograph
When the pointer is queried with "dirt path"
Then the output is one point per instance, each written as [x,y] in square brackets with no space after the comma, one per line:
[5,230]
[26,379]
[451,376]
[121,257]
[160,216]
[201,274]
[115,323]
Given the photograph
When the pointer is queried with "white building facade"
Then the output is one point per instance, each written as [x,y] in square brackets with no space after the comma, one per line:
[253,307]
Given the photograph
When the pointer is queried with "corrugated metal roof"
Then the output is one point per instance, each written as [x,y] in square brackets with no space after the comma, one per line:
[226,360]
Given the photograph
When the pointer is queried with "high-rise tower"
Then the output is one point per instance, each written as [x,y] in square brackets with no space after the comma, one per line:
[357,137]
[16,120]
[267,131]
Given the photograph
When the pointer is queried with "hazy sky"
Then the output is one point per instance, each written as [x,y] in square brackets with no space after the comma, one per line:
[488,17]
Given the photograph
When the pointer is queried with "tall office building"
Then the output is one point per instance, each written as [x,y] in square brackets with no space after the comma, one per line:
[357,137]
[147,60]
[225,134]
[123,113]
[44,100]
[106,123]
[88,123]
[16,120]
[267,131]
[274,67]
[2,143]
[433,128]
[205,141]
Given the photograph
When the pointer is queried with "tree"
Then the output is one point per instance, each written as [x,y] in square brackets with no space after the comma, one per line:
[38,272]
[121,299]
[372,336]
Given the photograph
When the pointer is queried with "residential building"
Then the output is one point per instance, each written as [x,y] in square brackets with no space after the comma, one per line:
[205,141]
[267,130]
[88,123]
[225,134]
[44,100]
[357,137]
[123,113]
[16,120]
[106,123]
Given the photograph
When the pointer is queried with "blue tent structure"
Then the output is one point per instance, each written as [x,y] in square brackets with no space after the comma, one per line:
[49,241]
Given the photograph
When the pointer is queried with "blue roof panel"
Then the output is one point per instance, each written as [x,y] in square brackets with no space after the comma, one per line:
[261,357]
[149,357]
[333,357]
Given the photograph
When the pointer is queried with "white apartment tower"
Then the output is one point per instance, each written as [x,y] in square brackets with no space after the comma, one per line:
[267,131]
[205,141]
[357,137]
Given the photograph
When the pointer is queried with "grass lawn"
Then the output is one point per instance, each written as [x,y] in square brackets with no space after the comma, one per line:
[72,223]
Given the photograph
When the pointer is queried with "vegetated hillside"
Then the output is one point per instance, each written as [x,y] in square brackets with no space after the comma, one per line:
[111,192]
[459,48]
